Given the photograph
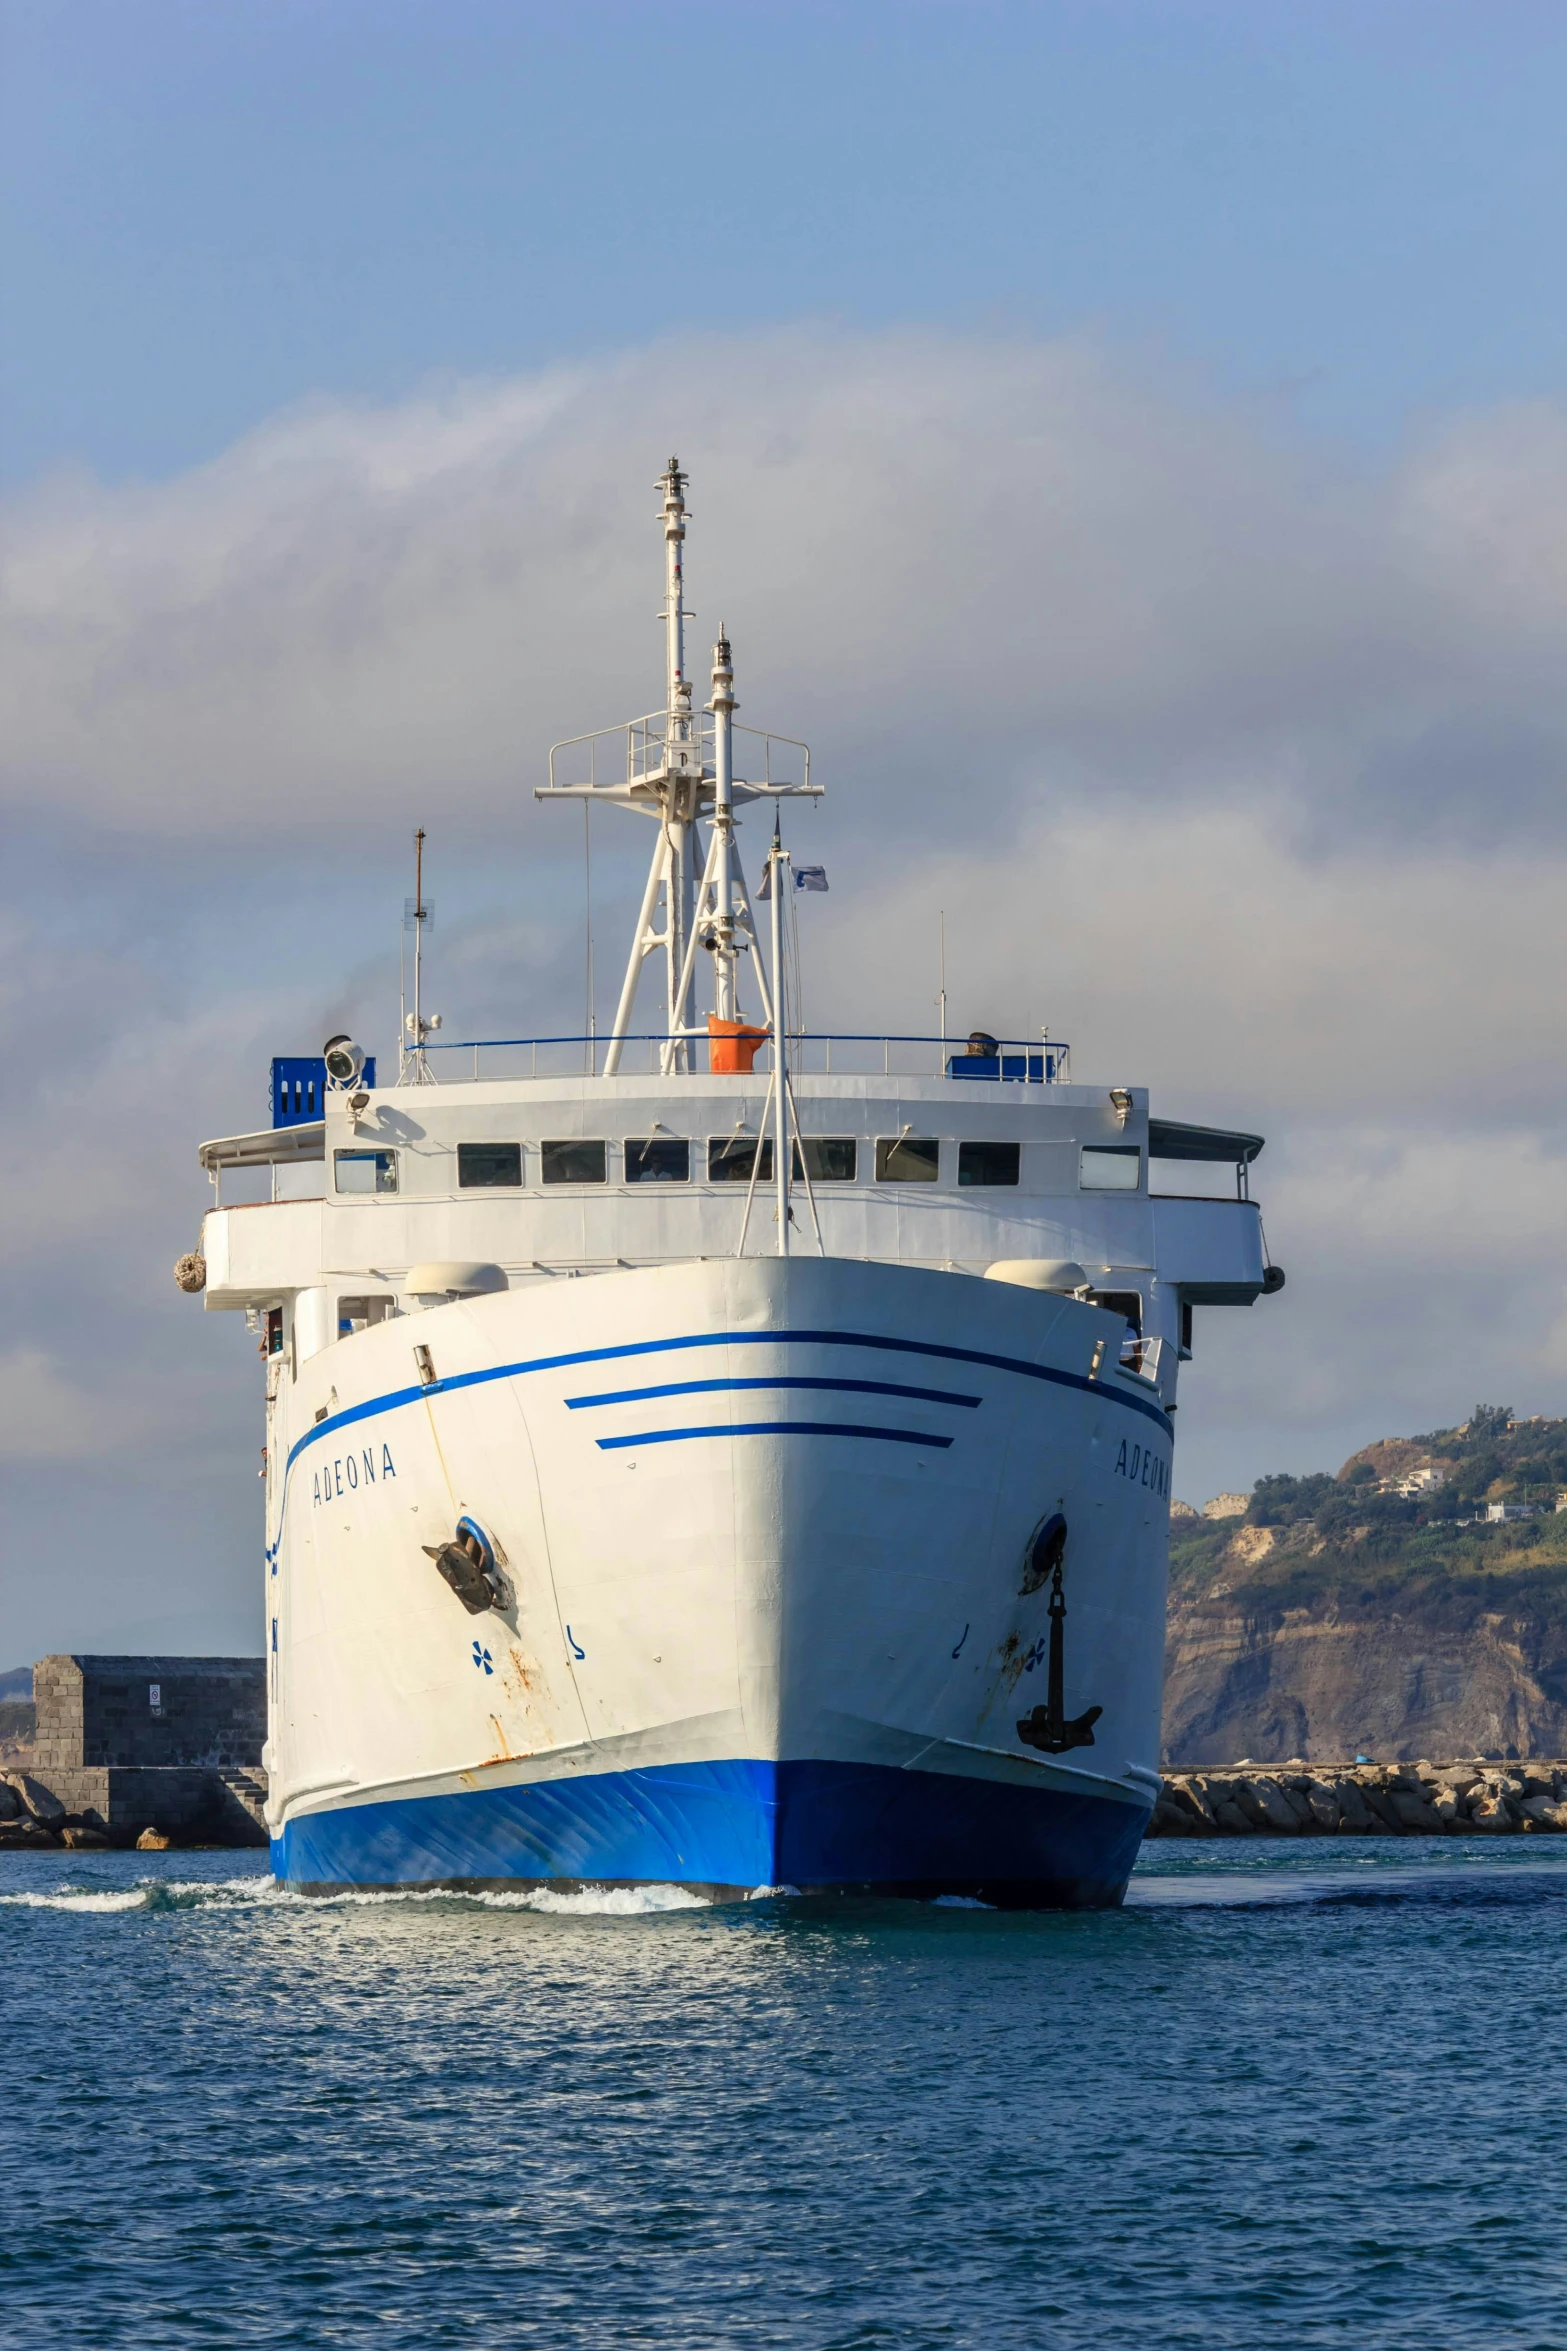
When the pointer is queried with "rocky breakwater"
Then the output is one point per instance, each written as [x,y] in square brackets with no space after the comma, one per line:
[1477,1798]
[32,1819]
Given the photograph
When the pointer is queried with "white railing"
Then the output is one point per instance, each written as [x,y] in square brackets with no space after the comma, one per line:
[620,757]
[812,1053]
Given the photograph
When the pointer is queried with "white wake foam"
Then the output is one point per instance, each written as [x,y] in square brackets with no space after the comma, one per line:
[598,1902]
[135,1899]
[196,1893]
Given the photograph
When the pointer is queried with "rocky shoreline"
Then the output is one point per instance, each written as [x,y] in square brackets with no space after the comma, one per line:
[34,1819]
[1296,1799]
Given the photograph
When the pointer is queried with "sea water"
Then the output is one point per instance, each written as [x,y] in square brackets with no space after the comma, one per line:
[1289,2096]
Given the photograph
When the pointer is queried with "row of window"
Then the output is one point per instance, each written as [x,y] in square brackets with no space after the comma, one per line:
[732,1159]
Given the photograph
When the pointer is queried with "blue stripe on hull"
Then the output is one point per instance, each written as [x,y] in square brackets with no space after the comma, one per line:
[733,1826]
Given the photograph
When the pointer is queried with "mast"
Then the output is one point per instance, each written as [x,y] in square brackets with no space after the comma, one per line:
[419,943]
[778,862]
[696,894]
[725,992]
[678,690]
[678,878]
[413,1069]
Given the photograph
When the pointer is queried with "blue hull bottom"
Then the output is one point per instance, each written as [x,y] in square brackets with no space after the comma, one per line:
[725,1828]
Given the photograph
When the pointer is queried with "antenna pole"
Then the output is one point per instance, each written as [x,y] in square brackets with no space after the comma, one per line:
[682,770]
[778,860]
[587,912]
[724,955]
[418,938]
[412,1068]
[941,919]
[679,685]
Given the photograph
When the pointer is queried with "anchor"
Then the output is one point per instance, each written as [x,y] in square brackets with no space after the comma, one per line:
[467,1565]
[1047,1727]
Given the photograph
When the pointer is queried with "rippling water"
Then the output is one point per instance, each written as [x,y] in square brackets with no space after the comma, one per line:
[1289,2096]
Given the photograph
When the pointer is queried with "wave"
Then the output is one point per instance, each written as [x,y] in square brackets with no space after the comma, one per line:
[259,1891]
[1464,1885]
[1452,1885]
[75,1899]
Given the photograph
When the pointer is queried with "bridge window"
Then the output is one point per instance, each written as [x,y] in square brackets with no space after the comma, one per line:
[829,1159]
[908,1159]
[988,1163]
[659,1159]
[573,1163]
[489,1166]
[365,1171]
[730,1159]
[1110,1167]
[357,1314]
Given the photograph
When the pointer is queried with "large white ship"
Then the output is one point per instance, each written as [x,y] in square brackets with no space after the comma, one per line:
[729,1458]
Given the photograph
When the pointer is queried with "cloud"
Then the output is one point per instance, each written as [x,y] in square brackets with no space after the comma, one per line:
[1026,566]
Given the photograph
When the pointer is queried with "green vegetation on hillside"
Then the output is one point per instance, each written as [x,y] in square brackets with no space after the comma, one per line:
[1307,1540]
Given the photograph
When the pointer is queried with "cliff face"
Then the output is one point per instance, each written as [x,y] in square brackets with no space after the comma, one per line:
[1337,1619]
[1426,1672]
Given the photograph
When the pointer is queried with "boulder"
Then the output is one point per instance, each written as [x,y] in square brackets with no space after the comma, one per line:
[84,1839]
[1448,1806]
[1246,1799]
[1296,1800]
[1231,1819]
[1354,1815]
[154,1841]
[1269,1806]
[27,1835]
[10,1802]
[1185,1799]
[1544,1811]
[1380,1805]
[1491,1816]
[35,1798]
[1323,1805]
[1415,1813]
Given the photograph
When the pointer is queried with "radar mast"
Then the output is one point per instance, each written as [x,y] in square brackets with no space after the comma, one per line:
[677,766]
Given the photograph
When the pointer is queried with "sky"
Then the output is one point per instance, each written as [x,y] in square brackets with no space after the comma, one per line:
[1129,441]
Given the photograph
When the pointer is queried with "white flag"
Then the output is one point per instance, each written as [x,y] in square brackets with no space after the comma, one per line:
[806,877]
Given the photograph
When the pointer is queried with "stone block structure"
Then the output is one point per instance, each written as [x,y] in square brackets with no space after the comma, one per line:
[151,1711]
[169,1743]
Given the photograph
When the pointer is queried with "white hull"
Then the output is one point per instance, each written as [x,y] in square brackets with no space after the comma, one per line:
[698,1626]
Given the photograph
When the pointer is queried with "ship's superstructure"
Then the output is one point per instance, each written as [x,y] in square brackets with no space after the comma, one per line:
[718,1455]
